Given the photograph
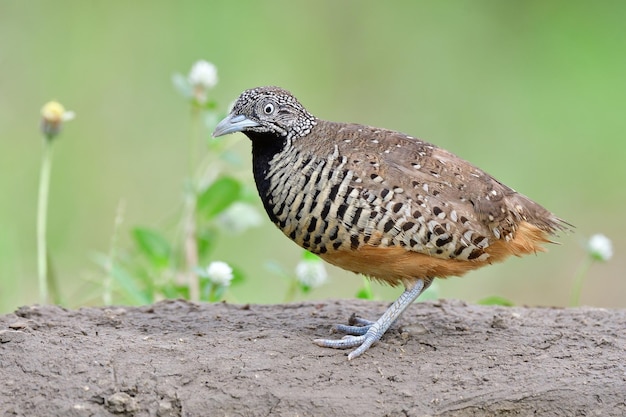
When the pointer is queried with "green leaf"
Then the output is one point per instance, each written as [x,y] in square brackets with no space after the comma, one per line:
[218,196]
[365,294]
[153,246]
[308,256]
[495,300]
[125,280]
[206,238]
[171,290]
[206,286]
[238,276]
[217,294]
[211,105]
[211,292]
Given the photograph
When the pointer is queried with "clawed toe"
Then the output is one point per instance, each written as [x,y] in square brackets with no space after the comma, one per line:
[362,343]
[343,343]
[362,334]
[361,337]
[358,321]
[350,330]
[354,334]
[356,326]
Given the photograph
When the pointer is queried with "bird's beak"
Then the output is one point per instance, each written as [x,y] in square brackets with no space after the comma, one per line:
[233,123]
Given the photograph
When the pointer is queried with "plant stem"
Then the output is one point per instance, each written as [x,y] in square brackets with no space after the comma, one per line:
[193,139]
[54,293]
[579,278]
[190,243]
[42,209]
[292,290]
[107,291]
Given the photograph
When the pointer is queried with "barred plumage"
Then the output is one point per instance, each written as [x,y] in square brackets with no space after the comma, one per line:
[380,202]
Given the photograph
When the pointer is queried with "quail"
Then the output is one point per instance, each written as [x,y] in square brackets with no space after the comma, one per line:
[379,202]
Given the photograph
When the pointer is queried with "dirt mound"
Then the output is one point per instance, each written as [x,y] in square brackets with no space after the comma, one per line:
[176,358]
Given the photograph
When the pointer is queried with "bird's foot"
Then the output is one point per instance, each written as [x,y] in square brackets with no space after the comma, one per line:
[361,336]
[357,334]
[364,333]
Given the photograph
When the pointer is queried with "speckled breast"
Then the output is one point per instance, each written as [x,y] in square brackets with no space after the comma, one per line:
[323,206]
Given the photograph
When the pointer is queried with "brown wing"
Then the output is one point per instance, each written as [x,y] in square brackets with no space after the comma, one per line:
[431,201]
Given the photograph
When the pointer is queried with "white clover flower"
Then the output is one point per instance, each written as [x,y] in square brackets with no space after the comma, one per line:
[53,114]
[220,273]
[202,77]
[600,247]
[203,74]
[240,217]
[311,273]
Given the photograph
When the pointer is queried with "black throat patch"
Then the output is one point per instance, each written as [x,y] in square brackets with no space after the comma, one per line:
[264,147]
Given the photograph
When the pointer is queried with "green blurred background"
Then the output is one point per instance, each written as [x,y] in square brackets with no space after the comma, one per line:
[533,92]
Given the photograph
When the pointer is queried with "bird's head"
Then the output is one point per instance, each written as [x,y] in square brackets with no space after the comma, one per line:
[267,110]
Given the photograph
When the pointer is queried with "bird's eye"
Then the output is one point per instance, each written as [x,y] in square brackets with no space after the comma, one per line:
[269,108]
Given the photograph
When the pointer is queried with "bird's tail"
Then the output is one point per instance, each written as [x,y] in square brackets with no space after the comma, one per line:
[539,216]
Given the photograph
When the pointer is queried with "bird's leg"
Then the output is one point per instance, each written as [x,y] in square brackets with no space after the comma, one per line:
[364,336]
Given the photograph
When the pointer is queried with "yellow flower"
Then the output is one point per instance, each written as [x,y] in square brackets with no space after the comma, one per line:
[53,114]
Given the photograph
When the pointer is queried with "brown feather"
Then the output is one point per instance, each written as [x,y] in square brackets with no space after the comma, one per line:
[396,265]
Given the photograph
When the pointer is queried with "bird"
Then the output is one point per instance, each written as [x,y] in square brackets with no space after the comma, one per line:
[379,202]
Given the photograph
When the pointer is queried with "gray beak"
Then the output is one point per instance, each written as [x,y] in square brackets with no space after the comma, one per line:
[233,123]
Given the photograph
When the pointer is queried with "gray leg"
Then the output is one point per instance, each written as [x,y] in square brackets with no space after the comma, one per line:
[365,336]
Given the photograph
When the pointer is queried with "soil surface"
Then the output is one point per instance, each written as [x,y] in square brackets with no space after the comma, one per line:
[176,358]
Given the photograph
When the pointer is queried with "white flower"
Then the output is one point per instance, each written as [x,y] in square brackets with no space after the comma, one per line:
[311,273]
[202,77]
[203,74]
[220,273]
[240,217]
[600,247]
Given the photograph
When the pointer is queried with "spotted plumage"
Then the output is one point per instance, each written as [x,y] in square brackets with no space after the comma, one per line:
[380,202]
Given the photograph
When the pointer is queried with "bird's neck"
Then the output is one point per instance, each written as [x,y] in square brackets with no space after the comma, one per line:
[265,146]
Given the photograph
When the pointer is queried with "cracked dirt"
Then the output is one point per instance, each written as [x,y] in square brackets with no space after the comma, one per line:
[176,358]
